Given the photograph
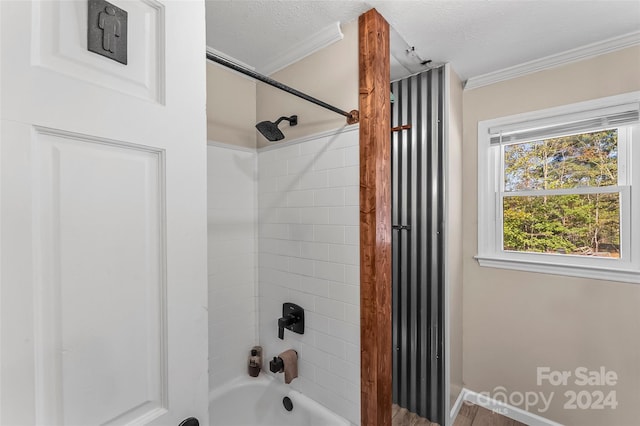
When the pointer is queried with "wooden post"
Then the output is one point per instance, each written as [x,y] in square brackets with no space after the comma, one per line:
[375,220]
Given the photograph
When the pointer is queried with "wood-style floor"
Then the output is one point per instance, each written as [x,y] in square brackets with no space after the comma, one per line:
[402,417]
[469,415]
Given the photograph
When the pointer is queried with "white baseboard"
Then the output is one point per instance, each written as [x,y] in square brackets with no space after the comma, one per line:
[456,406]
[506,410]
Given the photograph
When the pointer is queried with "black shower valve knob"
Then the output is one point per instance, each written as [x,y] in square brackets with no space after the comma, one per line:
[276,365]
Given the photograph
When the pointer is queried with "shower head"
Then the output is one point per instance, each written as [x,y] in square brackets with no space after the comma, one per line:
[271,131]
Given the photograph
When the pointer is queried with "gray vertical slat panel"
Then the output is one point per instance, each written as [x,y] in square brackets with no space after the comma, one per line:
[442,409]
[428,238]
[418,201]
[413,172]
[395,302]
[405,260]
[433,240]
[422,234]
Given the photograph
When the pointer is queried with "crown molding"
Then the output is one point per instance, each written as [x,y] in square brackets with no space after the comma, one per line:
[552,61]
[304,48]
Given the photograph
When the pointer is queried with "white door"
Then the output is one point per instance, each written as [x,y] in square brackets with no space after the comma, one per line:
[103,297]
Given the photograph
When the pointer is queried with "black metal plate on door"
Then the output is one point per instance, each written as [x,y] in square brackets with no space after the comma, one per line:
[107,30]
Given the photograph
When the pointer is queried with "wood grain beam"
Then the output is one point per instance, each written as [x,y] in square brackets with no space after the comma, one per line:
[375,220]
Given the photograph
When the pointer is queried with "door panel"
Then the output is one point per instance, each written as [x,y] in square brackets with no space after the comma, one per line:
[102,303]
[59,43]
[103,316]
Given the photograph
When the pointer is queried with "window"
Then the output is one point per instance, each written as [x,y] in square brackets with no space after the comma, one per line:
[558,193]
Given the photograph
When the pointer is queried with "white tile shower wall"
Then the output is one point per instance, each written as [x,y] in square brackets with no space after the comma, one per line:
[232,213]
[309,254]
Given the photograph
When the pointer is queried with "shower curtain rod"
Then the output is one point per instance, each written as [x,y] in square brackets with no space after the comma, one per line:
[352,117]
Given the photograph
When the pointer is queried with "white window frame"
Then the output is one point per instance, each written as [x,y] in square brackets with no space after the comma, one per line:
[491,182]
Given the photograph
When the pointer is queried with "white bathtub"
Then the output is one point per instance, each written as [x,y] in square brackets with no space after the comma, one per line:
[249,401]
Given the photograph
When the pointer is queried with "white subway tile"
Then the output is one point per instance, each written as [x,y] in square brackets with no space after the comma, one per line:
[267,215]
[267,157]
[331,382]
[349,215]
[302,267]
[223,233]
[229,248]
[329,160]
[276,231]
[288,183]
[276,277]
[346,176]
[314,356]
[233,278]
[314,286]
[306,369]
[343,141]
[313,180]
[305,300]
[352,235]
[353,353]
[231,309]
[300,166]
[301,232]
[330,308]
[268,184]
[314,215]
[341,253]
[329,271]
[226,264]
[272,169]
[221,297]
[315,251]
[352,274]
[295,340]
[348,371]
[308,190]
[316,321]
[267,245]
[300,198]
[311,147]
[344,293]
[273,291]
[288,215]
[329,197]
[352,313]
[330,345]
[352,196]
[287,152]
[352,156]
[353,391]
[329,234]
[274,261]
[288,248]
[271,200]
[348,332]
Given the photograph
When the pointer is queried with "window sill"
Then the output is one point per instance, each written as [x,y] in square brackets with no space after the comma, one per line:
[598,273]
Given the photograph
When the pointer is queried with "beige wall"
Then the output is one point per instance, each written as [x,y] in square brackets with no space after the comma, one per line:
[514,321]
[454,233]
[330,75]
[231,107]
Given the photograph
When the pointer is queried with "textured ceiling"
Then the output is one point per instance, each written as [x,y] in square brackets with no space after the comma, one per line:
[476,37]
